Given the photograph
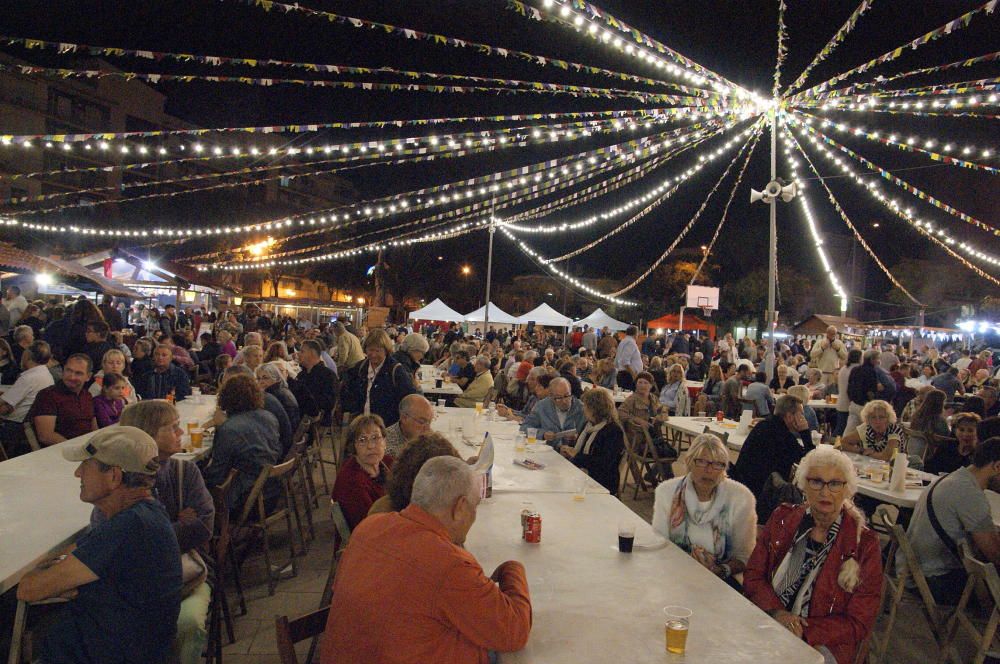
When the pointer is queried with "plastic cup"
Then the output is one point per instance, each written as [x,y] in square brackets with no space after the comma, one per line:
[580,490]
[701,413]
[519,442]
[191,426]
[197,437]
[441,405]
[877,475]
[676,624]
[532,436]
[626,536]
[479,408]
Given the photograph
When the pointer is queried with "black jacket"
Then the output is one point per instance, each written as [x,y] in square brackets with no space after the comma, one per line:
[862,384]
[391,384]
[604,458]
[769,448]
[316,391]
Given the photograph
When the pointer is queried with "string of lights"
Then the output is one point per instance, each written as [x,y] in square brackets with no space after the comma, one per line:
[792,141]
[835,41]
[956,88]
[782,47]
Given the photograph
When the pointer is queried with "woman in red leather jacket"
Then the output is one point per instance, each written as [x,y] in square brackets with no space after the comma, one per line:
[816,568]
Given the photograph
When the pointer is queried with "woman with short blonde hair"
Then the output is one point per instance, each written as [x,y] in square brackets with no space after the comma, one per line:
[878,435]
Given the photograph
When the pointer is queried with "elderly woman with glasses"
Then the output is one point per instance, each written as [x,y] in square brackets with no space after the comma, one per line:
[361,479]
[271,380]
[878,435]
[707,514]
[817,569]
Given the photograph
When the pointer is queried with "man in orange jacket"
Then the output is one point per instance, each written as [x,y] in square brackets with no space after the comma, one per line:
[407,592]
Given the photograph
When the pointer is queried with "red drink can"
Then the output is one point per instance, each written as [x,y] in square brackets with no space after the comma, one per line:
[719,416]
[533,528]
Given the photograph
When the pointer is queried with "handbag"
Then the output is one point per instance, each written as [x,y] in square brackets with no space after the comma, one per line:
[194,571]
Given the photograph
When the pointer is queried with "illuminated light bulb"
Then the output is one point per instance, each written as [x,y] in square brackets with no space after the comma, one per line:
[217,150]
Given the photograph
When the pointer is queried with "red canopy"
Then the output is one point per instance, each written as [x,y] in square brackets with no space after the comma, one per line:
[672,322]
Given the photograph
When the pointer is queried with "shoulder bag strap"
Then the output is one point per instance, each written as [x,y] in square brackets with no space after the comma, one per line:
[948,541]
[180,486]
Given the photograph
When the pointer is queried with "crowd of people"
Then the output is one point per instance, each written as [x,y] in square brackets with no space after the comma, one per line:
[813,565]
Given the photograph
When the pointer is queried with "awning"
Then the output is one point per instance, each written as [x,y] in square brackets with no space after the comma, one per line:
[600,320]
[543,314]
[175,274]
[436,310]
[497,315]
[67,272]
[672,322]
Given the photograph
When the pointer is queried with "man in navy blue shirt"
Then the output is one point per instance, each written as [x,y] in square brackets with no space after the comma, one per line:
[164,377]
[123,578]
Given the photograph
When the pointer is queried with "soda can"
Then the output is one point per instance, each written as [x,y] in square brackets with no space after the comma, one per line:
[533,532]
[525,513]
[719,416]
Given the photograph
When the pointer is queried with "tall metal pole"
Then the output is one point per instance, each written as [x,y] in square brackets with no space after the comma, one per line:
[772,265]
[489,276]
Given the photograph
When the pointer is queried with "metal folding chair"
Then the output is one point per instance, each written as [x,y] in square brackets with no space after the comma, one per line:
[986,575]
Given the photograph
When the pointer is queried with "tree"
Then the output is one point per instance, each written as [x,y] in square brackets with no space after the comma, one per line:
[747,297]
[938,285]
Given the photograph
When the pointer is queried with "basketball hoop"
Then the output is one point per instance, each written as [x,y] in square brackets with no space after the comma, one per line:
[706,312]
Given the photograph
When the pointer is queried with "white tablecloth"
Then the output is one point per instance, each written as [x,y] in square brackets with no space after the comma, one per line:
[591,603]
[692,426]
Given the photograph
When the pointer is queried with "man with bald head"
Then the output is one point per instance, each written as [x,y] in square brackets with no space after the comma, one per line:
[415,417]
[829,353]
[560,411]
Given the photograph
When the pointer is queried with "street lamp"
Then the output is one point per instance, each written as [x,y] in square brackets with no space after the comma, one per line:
[466,270]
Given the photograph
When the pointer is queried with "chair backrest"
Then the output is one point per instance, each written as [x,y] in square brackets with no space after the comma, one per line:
[985,572]
[883,519]
[29,433]
[724,436]
[916,573]
[290,632]
[340,522]
[302,431]
[256,492]
[500,383]
[221,534]
[491,395]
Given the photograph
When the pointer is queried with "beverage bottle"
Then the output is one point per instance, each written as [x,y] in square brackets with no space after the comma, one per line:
[172,395]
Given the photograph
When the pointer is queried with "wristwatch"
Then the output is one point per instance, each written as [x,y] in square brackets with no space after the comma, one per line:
[725,571]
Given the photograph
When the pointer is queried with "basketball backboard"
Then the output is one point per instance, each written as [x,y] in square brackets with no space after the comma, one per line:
[705,298]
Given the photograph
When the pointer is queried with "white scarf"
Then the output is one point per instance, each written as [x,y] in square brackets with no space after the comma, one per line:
[588,436]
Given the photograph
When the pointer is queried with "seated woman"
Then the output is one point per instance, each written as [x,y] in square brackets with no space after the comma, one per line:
[182,492]
[782,380]
[658,372]
[246,438]
[271,379]
[642,408]
[598,448]
[816,568]
[801,392]
[362,478]
[707,514]
[405,468]
[950,456]
[517,392]
[878,435]
[926,422]
[674,394]
[712,388]
[114,362]
[567,369]
[814,381]
[277,352]
[604,374]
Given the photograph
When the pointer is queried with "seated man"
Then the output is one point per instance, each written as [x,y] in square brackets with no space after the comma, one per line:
[124,576]
[415,417]
[480,386]
[538,385]
[166,377]
[466,372]
[760,394]
[407,591]
[97,342]
[560,411]
[24,336]
[698,368]
[775,444]
[963,513]
[65,410]
[18,399]
[948,383]
[315,388]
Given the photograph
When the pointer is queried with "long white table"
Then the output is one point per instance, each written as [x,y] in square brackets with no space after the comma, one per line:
[591,603]
[40,508]
[689,427]
[618,395]
[558,476]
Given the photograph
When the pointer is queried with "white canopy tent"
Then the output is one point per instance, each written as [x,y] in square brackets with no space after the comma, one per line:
[436,310]
[497,315]
[543,314]
[599,319]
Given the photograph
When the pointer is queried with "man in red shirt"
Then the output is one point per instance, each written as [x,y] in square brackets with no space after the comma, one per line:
[65,410]
[406,591]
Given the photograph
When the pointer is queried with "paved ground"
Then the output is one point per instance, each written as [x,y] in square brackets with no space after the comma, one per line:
[255,643]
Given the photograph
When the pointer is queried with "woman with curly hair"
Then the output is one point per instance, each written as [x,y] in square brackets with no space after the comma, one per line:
[404,470]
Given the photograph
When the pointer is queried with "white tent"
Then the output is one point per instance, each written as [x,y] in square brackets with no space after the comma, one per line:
[497,315]
[543,314]
[599,319]
[436,310]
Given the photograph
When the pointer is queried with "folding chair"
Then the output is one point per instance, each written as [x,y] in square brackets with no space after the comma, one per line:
[319,432]
[290,632]
[20,626]
[937,616]
[29,433]
[979,573]
[893,587]
[491,396]
[647,459]
[257,523]
[302,488]
[221,550]
[343,535]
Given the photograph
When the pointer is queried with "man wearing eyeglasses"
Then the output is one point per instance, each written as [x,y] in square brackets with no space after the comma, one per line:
[775,444]
[558,412]
[415,417]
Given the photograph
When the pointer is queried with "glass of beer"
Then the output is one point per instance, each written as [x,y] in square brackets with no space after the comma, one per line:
[519,442]
[479,408]
[677,620]
[197,435]
[532,436]
[191,426]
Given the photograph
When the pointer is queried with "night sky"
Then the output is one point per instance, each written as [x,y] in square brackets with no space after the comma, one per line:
[735,39]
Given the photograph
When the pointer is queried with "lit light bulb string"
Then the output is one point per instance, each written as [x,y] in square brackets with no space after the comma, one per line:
[917,112]
[442,143]
[924,228]
[956,88]
[393,203]
[911,144]
[681,179]
[68,48]
[548,88]
[948,28]
[457,146]
[831,45]
[782,48]
[303,128]
[725,212]
[902,184]
[492,203]
[527,193]
[791,140]
[953,107]
[577,15]
[583,196]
